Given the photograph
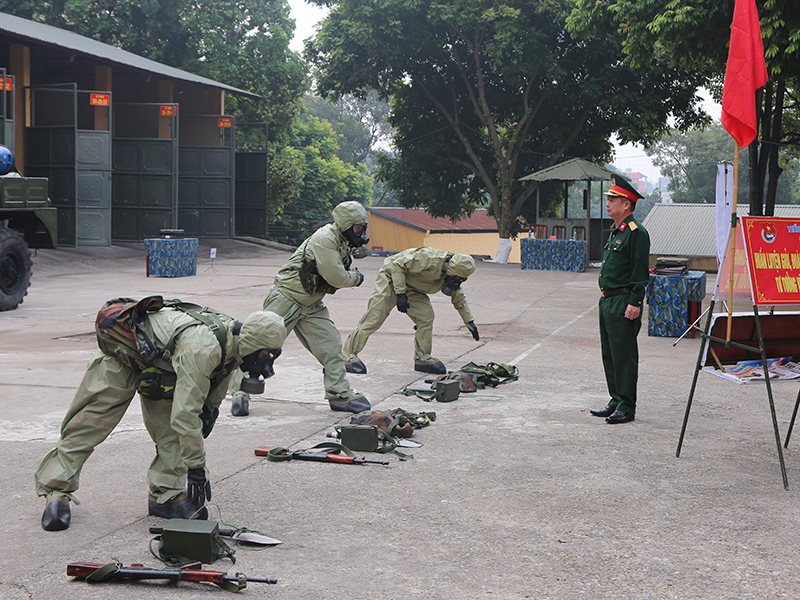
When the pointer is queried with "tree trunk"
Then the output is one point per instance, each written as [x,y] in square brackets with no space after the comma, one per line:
[772,148]
[503,250]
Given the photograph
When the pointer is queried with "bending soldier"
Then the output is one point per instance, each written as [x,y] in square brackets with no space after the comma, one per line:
[320,266]
[405,280]
[180,402]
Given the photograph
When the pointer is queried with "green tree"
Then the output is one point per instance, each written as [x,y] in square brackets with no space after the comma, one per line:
[696,35]
[689,160]
[486,91]
[326,181]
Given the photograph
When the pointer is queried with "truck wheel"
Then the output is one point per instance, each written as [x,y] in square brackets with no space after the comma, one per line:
[15,269]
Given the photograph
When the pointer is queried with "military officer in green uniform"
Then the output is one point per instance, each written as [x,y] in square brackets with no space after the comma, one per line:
[320,266]
[623,282]
[179,408]
[404,281]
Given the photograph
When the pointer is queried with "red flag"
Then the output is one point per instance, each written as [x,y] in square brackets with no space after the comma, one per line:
[745,73]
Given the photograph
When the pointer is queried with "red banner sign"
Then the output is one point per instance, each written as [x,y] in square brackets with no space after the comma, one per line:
[224,122]
[100,99]
[773,258]
[9,84]
[168,110]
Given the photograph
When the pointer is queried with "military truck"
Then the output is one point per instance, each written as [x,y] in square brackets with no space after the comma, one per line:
[26,221]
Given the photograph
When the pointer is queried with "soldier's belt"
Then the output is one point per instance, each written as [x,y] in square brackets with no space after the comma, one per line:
[615,292]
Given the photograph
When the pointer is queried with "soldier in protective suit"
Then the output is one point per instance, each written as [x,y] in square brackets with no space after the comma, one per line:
[179,410]
[320,266]
[405,280]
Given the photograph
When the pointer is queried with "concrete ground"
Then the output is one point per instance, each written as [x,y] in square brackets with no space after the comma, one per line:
[517,492]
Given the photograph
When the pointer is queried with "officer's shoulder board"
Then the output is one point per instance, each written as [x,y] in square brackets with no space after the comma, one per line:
[633,226]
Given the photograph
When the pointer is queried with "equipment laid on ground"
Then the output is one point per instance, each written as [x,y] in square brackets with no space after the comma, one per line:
[241,535]
[282,454]
[187,540]
[94,573]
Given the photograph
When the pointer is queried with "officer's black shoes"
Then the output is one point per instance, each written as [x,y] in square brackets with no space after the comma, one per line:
[604,412]
[349,401]
[240,407]
[431,366]
[56,515]
[619,417]
[357,367]
[185,508]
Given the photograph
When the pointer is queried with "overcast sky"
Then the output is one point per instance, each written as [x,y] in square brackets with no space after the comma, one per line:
[631,157]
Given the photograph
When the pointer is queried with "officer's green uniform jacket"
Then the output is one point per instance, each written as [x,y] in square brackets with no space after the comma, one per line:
[625,266]
[626,259]
[415,272]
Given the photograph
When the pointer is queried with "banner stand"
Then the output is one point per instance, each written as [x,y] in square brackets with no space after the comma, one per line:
[762,266]
[707,347]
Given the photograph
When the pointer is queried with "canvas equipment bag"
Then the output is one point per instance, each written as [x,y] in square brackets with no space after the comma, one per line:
[491,374]
[183,541]
[120,332]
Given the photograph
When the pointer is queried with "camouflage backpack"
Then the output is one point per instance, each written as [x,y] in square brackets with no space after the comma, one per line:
[120,332]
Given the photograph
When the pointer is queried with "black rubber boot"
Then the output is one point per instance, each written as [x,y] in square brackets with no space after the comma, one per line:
[355,403]
[185,508]
[240,407]
[436,367]
[56,515]
[357,367]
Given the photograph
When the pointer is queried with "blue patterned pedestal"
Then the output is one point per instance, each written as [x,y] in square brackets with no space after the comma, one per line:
[171,257]
[671,299]
[553,255]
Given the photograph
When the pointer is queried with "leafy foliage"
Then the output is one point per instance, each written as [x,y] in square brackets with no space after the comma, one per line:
[486,91]
[695,36]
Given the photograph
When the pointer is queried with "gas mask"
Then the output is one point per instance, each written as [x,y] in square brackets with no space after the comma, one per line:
[356,235]
[451,284]
[258,366]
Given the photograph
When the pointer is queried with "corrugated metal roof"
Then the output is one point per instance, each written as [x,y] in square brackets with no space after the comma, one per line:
[575,169]
[478,222]
[690,229]
[60,38]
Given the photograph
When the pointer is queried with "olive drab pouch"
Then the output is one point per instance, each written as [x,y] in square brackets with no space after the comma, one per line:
[156,384]
[183,541]
[491,374]
[310,279]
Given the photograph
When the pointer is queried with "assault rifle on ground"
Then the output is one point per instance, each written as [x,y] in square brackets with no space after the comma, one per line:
[94,573]
[279,454]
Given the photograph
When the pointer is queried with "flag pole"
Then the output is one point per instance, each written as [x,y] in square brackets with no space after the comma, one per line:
[732,253]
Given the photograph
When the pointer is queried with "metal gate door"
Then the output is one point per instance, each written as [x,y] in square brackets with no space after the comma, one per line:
[144,197]
[6,110]
[68,140]
[205,176]
[252,169]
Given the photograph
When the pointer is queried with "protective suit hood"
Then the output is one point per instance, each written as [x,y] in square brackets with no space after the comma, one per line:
[347,214]
[262,329]
[460,265]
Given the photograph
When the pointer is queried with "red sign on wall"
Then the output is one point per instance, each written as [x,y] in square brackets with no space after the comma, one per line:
[773,258]
[168,110]
[100,99]
[224,122]
[9,84]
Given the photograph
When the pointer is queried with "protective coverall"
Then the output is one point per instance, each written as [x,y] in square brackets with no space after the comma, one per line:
[303,311]
[175,425]
[415,272]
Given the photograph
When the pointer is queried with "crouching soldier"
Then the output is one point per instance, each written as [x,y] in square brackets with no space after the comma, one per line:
[404,281]
[180,358]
